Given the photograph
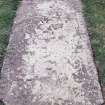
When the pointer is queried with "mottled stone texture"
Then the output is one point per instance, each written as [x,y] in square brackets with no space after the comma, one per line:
[49,59]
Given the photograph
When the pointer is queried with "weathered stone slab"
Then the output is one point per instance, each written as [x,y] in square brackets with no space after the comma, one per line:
[49,59]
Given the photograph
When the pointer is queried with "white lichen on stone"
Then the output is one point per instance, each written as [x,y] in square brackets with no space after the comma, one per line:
[53,64]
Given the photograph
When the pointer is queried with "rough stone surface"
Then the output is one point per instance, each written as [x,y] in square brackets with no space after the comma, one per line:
[49,59]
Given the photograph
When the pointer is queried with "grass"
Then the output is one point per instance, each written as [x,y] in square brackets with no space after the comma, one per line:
[7,13]
[94,11]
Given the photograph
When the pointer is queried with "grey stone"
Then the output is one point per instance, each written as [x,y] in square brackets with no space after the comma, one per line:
[49,59]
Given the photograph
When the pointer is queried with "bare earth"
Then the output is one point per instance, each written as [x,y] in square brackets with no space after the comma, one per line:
[49,59]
